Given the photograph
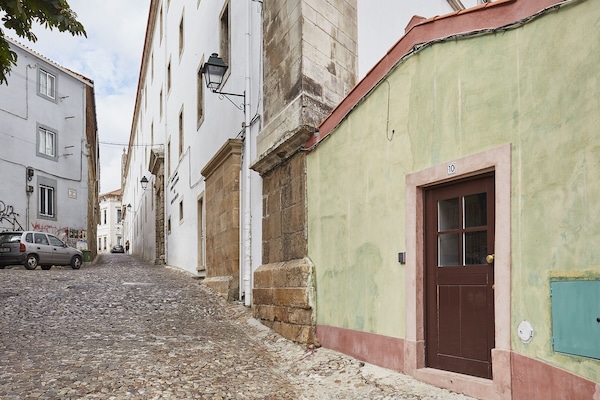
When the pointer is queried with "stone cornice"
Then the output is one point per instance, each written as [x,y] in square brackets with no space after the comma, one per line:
[231,147]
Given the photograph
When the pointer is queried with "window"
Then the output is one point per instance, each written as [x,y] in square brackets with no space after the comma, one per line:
[169,158]
[54,241]
[47,84]
[169,225]
[225,35]
[169,77]
[152,133]
[46,142]
[181,211]
[160,99]
[200,97]
[47,201]
[40,238]
[181,36]
[104,217]
[104,242]
[180,133]
[160,18]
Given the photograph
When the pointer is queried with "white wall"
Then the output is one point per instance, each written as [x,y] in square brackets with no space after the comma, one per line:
[22,110]
[222,121]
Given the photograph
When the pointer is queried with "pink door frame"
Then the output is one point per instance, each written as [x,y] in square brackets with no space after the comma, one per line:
[498,160]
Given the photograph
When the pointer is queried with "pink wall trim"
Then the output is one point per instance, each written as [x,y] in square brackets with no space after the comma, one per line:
[385,351]
[533,379]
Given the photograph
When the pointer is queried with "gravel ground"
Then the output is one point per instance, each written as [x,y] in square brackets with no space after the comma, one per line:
[125,329]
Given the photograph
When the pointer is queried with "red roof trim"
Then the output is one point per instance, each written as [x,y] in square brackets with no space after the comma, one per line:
[485,16]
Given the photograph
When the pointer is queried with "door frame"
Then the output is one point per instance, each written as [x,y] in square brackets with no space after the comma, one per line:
[498,160]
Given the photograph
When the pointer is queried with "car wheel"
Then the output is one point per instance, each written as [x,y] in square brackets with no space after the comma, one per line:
[46,267]
[31,262]
[76,262]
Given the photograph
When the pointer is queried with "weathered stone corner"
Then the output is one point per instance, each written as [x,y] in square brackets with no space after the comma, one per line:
[283,299]
[223,285]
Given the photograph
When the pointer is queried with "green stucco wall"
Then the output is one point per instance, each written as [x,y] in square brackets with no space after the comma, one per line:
[536,87]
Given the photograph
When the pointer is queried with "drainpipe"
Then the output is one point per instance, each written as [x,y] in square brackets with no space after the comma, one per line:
[247,267]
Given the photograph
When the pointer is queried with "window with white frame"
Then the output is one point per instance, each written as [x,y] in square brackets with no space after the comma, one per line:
[47,84]
[47,201]
[46,142]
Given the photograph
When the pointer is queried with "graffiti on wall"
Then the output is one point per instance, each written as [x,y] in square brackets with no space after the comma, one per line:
[9,218]
[68,235]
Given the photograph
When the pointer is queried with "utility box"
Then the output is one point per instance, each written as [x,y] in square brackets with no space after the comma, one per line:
[576,317]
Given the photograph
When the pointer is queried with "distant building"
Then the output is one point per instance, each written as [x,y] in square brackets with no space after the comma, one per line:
[49,150]
[110,224]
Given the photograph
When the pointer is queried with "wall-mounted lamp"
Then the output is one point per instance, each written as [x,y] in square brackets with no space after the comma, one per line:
[144,182]
[128,207]
[214,70]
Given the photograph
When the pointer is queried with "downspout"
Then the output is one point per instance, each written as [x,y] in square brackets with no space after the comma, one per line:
[247,273]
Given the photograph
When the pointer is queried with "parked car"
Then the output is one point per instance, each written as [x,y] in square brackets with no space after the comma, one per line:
[31,249]
[117,248]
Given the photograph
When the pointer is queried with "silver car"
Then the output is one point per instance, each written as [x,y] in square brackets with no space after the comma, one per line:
[31,249]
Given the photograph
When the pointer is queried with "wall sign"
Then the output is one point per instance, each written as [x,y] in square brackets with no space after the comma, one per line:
[452,168]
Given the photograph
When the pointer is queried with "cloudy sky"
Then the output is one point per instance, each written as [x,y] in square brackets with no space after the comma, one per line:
[110,56]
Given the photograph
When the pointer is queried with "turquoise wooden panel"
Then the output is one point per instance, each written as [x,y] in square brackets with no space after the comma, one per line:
[576,317]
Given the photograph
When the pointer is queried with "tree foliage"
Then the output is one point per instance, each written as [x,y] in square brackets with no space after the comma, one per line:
[20,15]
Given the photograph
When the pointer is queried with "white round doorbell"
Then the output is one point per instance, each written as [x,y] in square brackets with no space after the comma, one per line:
[525,331]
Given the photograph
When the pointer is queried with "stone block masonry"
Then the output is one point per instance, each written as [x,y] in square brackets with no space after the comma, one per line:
[283,299]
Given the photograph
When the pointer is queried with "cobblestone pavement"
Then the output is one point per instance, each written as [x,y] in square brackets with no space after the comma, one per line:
[125,329]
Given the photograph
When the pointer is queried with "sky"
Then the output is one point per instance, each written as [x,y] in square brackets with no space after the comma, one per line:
[110,56]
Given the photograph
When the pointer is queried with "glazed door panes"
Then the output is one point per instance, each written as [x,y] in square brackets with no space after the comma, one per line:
[459,234]
[462,230]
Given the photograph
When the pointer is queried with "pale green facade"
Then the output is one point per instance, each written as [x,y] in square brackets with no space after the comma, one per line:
[535,87]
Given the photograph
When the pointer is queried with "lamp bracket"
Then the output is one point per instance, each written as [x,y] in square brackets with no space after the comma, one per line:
[226,95]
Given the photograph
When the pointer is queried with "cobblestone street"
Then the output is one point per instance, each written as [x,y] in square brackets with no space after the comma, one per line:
[125,329]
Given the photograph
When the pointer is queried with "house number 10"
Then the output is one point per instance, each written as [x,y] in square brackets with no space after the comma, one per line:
[452,168]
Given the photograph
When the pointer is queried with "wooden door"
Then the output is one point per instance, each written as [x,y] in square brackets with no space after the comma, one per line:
[459,276]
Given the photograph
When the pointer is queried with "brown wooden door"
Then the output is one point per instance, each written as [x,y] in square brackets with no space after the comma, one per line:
[459,235]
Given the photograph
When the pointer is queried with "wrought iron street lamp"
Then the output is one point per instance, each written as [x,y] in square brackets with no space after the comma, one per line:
[144,182]
[214,70]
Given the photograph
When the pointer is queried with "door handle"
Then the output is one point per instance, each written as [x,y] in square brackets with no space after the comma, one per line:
[490,258]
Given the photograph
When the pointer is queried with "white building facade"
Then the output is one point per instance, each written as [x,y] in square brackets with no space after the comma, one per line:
[110,224]
[180,127]
[49,152]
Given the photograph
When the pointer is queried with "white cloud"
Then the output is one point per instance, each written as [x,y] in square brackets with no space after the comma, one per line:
[110,56]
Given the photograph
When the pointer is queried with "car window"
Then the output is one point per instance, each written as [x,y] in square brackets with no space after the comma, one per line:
[54,241]
[9,238]
[40,238]
[29,238]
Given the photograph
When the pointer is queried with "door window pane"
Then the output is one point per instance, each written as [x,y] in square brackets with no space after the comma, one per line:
[475,248]
[448,214]
[448,249]
[475,210]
